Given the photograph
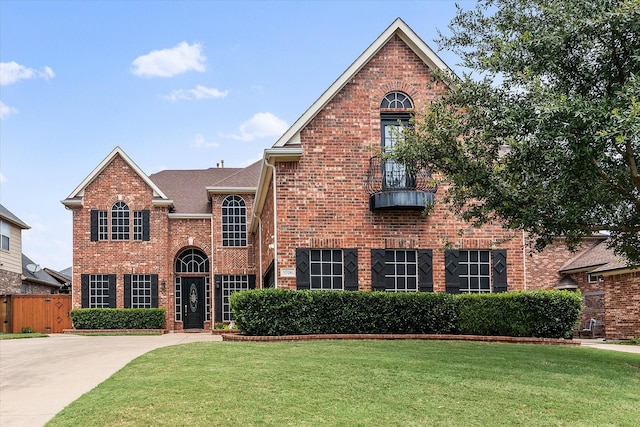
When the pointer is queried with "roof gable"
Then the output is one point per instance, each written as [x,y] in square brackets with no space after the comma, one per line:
[75,198]
[6,215]
[399,28]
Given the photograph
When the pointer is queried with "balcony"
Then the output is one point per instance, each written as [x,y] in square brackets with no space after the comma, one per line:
[393,185]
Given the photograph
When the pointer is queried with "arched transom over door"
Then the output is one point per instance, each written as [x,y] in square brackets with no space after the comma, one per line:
[192,289]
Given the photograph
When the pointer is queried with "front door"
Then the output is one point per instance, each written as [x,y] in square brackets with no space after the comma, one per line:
[193,301]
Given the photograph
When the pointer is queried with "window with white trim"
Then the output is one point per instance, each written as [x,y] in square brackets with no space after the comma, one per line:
[230,285]
[5,235]
[475,271]
[178,299]
[137,225]
[98,291]
[402,270]
[120,221]
[103,225]
[326,269]
[234,221]
[141,291]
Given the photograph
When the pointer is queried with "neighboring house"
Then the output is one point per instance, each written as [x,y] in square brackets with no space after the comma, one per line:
[320,211]
[10,252]
[610,290]
[37,280]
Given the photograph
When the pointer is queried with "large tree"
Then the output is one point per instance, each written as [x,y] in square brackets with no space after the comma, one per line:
[543,132]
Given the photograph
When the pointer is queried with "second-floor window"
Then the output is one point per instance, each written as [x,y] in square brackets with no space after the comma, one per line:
[120,221]
[394,119]
[116,223]
[5,235]
[234,221]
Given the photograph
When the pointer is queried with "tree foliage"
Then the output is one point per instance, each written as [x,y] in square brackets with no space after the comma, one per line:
[544,133]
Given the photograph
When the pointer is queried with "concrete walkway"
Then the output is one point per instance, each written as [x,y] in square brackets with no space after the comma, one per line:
[40,376]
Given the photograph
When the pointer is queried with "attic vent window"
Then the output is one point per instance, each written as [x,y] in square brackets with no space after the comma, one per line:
[397,100]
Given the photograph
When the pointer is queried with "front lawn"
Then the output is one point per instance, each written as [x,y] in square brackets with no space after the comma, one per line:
[366,383]
[4,336]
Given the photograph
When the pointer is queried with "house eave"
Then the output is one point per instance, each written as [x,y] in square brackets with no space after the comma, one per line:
[72,203]
[231,190]
[189,216]
[162,202]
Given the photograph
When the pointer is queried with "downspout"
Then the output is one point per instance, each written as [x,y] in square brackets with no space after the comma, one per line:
[259,248]
[212,282]
[275,226]
[524,258]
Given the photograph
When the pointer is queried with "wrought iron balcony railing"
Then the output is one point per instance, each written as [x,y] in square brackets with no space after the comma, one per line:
[394,185]
[385,175]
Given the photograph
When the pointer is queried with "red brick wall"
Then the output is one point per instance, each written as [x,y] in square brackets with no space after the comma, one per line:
[622,304]
[322,200]
[120,257]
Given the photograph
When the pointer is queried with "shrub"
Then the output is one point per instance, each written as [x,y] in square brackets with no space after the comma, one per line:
[286,312]
[118,318]
[544,314]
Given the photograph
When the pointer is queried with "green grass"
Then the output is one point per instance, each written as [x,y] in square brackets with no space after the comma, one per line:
[366,383]
[4,336]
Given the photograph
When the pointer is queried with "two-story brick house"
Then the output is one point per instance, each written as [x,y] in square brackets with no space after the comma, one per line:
[320,211]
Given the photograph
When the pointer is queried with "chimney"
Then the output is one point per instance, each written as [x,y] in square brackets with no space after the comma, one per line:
[222,164]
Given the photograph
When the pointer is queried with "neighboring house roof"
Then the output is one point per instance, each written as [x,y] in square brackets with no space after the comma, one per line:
[38,275]
[399,28]
[6,215]
[597,259]
[188,188]
[75,198]
[63,276]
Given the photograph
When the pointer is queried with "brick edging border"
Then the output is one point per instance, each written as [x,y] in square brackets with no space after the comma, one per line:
[114,331]
[481,338]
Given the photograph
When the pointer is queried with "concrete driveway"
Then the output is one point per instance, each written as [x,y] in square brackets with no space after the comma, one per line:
[40,376]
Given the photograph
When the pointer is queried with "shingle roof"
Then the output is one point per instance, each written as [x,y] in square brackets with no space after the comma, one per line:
[596,259]
[40,276]
[188,188]
[8,216]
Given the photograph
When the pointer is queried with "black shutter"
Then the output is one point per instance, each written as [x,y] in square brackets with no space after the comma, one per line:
[127,291]
[350,267]
[303,275]
[154,291]
[378,267]
[252,281]
[94,225]
[112,291]
[425,270]
[499,265]
[452,280]
[84,290]
[145,225]
[217,297]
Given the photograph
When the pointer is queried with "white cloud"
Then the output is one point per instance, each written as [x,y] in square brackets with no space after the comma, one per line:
[261,125]
[201,142]
[11,72]
[170,62]
[5,110]
[199,92]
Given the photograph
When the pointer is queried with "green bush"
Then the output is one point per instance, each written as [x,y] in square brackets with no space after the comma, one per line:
[118,318]
[548,314]
[285,312]
[544,314]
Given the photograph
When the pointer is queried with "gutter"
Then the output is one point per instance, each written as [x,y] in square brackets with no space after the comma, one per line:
[275,225]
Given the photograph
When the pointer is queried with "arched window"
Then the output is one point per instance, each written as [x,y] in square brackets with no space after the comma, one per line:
[120,221]
[392,124]
[234,221]
[192,261]
[397,100]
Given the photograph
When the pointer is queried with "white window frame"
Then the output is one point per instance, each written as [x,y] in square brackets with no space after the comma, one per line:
[404,271]
[477,271]
[5,235]
[326,269]
[98,291]
[229,284]
[141,289]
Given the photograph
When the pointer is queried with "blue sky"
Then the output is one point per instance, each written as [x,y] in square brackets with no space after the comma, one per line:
[177,85]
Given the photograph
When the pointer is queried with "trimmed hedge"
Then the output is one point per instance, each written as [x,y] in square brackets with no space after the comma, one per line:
[118,318]
[273,312]
[286,312]
[544,314]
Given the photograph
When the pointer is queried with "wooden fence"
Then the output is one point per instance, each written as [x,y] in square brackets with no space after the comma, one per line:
[47,314]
